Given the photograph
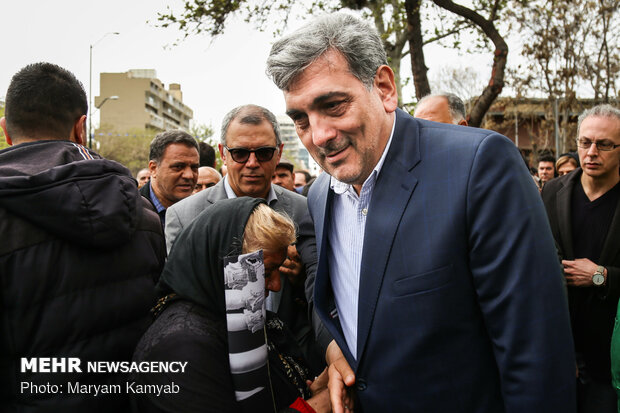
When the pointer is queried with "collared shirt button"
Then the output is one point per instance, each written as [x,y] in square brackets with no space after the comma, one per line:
[365,211]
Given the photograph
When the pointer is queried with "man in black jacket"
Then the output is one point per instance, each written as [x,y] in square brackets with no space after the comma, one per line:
[79,255]
[584,212]
[174,163]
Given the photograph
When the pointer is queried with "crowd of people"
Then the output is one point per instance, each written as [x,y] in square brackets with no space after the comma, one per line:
[425,269]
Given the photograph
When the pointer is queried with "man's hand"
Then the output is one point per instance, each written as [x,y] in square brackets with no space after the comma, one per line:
[579,272]
[341,378]
[292,266]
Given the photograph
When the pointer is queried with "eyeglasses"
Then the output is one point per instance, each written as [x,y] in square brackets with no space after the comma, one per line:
[600,145]
[241,155]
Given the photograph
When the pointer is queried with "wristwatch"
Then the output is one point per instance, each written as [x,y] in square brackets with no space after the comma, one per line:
[598,278]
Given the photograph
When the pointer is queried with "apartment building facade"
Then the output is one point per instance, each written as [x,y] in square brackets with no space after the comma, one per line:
[143,103]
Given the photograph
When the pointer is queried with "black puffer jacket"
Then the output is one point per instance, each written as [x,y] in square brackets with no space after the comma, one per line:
[80,251]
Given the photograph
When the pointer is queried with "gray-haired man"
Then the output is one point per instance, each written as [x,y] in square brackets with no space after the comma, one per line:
[437,275]
[442,107]
[251,147]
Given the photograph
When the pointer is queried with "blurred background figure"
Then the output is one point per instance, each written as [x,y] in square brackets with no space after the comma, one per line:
[566,163]
[283,175]
[207,177]
[546,169]
[302,177]
[143,177]
[207,154]
[442,107]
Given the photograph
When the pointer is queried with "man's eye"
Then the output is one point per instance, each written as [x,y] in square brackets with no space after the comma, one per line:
[301,122]
[336,108]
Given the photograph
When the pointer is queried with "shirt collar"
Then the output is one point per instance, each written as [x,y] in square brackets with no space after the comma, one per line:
[340,187]
[158,206]
[271,196]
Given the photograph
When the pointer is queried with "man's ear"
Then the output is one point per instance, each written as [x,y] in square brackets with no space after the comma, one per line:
[6,134]
[78,134]
[153,169]
[279,155]
[385,85]
[463,122]
[220,147]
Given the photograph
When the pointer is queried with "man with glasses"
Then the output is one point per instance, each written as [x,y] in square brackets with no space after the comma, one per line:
[584,212]
[251,148]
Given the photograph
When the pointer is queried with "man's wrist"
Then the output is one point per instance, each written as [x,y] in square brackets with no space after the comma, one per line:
[599,277]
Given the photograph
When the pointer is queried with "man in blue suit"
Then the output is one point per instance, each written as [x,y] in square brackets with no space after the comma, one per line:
[437,277]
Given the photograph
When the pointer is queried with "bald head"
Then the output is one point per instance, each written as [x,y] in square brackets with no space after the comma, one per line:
[438,108]
[207,177]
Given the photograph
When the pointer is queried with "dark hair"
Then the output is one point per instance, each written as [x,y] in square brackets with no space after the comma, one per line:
[546,158]
[162,140]
[354,38]
[44,101]
[253,115]
[207,154]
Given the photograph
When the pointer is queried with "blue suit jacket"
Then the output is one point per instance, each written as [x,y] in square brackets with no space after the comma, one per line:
[462,306]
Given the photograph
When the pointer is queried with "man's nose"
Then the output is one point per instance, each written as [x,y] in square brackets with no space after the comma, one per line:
[189,173]
[322,130]
[252,161]
[592,150]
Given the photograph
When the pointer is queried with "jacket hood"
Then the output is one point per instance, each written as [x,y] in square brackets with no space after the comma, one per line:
[70,192]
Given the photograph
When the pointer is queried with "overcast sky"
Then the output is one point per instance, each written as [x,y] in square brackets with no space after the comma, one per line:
[215,76]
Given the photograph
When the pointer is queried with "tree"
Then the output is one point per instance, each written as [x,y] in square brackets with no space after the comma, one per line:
[203,133]
[3,143]
[571,49]
[130,149]
[399,22]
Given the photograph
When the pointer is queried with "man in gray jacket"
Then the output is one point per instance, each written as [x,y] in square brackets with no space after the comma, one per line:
[251,148]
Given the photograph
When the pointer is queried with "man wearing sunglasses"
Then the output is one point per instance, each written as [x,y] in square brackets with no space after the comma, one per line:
[584,211]
[251,148]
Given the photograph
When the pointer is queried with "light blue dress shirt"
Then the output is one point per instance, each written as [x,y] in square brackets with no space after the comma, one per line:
[346,239]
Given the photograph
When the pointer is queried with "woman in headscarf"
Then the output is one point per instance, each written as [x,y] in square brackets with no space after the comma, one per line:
[212,316]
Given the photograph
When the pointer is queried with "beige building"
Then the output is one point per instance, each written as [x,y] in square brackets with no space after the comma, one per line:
[143,103]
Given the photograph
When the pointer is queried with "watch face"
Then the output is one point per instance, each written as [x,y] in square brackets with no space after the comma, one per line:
[598,279]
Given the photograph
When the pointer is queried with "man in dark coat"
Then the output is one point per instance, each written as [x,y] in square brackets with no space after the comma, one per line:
[80,252]
[584,212]
[174,163]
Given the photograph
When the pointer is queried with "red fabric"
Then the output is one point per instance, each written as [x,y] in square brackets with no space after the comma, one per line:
[301,406]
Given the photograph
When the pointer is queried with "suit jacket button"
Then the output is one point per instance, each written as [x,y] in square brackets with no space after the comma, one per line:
[361,385]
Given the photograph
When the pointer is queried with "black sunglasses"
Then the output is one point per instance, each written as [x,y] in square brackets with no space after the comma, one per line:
[241,155]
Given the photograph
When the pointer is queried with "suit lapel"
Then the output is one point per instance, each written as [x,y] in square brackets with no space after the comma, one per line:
[563,211]
[393,190]
[282,204]
[611,248]
[217,193]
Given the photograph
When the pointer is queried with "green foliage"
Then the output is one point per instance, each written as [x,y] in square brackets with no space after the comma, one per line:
[3,143]
[131,149]
[203,133]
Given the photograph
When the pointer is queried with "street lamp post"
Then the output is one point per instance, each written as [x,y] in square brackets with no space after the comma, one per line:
[97,107]
[90,89]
